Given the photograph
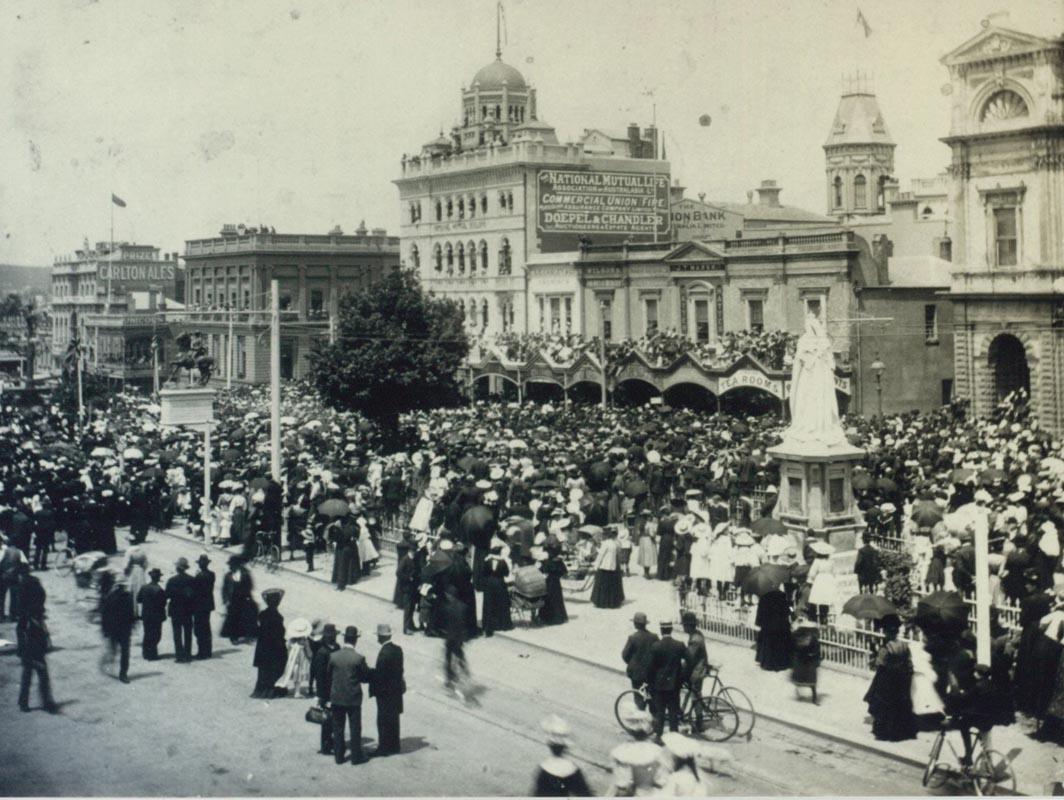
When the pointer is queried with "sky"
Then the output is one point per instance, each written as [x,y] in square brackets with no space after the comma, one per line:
[295,114]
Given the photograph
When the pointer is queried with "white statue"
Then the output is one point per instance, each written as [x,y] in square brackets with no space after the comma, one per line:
[814,407]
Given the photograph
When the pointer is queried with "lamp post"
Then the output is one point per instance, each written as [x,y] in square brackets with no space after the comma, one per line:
[877,368]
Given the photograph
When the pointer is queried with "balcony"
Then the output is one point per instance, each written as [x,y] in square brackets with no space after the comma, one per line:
[535,152]
[833,241]
[281,242]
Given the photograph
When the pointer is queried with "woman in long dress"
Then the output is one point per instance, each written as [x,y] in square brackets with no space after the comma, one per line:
[822,592]
[774,631]
[700,557]
[889,696]
[553,611]
[241,613]
[271,652]
[647,556]
[609,587]
[721,566]
[367,551]
[495,615]
[295,680]
[136,573]
[805,656]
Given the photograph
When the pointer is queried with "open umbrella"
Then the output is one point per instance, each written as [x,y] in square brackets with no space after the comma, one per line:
[438,562]
[869,606]
[169,456]
[259,483]
[477,525]
[767,526]
[465,463]
[886,485]
[232,454]
[517,444]
[590,530]
[740,427]
[926,515]
[152,472]
[942,610]
[334,508]
[635,488]
[765,578]
[133,454]
[861,481]
[599,475]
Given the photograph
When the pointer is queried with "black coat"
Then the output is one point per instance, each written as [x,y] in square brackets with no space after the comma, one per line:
[319,671]
[387,684]
[117,615]
[867,567]
[181,592]
[270,649]
[203,583]
[152,599]
[667,665]
[637,654]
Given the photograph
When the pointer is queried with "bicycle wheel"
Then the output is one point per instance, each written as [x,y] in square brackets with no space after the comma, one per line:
[626,703]
[64,562]
[273,558]
[935,773]
[712,718]
[745,709]
[992,773]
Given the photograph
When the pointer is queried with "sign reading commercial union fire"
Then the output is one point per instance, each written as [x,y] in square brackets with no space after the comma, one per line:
[571,201]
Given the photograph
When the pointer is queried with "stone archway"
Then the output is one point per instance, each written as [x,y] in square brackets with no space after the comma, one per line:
[749,401]
[634,392]
[504,388]
[691,395]
[585,393]
[1009,370]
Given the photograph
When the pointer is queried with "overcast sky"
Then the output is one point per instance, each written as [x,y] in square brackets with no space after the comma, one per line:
[295,114]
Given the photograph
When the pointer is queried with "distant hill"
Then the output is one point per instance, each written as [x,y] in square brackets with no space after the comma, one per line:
[28,280]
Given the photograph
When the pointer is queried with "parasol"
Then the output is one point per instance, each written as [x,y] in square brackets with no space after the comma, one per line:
[767,526]
[169,456]
[334,508]
[590,530]
[926,515]
[259,482]
[886,485]
[599,475]
[861,481]
[478,525]
[740,427]
[438,563]
[232,454]
[942,610]
[766,578]
[152,472]
[465,463]
[869,606]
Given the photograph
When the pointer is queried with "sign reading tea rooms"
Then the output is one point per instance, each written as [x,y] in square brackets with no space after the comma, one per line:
[574,201]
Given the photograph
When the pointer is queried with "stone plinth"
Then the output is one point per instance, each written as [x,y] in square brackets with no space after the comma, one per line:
[193,406]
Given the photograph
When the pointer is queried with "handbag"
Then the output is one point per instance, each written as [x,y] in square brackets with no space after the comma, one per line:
[316,715]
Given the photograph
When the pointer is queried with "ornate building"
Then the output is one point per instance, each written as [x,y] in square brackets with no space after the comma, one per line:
[1007,205]
[859,154]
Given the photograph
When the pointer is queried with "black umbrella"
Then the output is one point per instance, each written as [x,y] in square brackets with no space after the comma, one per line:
[477,525]
[926,515]
[942,610]
[765,578]
[599,475]
[259,482]
[869,606]
[861,481]
[438,562]
[635,488]
[886,485]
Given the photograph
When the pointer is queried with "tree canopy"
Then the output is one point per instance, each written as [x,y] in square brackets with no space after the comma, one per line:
[397,349]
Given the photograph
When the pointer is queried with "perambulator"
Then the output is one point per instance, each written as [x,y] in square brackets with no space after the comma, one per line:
[528,592]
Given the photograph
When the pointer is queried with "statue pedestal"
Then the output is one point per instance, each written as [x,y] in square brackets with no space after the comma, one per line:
[816,494]
[193,406]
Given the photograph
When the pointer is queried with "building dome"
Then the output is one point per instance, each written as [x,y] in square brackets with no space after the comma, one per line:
[496,73]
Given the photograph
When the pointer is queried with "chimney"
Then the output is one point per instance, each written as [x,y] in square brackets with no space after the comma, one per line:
[768,194]
[633,135]
[676,191]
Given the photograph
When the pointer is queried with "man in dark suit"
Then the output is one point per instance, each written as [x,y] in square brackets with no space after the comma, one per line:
[665,676]
[408,580]
[636,653]
[867,568]
[44,535]
[117,618]
[388,687]
[321,676]
[180,592]
[152,599]
[347,672]
[202,606]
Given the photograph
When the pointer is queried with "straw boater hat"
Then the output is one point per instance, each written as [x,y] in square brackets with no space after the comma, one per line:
[299,628]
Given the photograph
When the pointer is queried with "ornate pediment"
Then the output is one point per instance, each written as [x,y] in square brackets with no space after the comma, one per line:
[994,42]
[693,251]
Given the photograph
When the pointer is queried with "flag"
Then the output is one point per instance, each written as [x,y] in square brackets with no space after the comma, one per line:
[118,201]
[864,23]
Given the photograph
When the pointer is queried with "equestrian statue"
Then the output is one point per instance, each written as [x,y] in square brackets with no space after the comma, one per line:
[192,355]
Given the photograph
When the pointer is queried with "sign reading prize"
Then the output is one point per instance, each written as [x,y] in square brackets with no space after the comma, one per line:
[573,201]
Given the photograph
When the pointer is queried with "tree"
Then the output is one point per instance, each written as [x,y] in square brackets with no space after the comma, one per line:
[397,349]
[13,306]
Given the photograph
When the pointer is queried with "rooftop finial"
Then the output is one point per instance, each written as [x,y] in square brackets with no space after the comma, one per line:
[498,30]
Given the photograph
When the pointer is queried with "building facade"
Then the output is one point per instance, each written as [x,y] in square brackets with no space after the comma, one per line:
[477,204]
[1007,204]
[227,292]
[859,155]
[109,298]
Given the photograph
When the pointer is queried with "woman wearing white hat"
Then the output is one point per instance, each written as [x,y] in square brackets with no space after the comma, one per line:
[684,778]
[822,592]
[557,775]
[721,565]
[295,680]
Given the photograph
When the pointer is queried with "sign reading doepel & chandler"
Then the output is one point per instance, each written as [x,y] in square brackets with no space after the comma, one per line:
[573,201]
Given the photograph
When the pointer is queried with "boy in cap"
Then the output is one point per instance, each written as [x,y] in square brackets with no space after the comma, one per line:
[388,686]
[152,600]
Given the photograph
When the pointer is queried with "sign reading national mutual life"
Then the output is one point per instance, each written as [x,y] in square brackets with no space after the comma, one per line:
[574,201]
[132,274]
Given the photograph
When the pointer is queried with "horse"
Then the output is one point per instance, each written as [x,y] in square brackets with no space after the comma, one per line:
[192,360]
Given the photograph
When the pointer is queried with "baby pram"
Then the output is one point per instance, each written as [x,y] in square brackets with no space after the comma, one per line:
[527,593]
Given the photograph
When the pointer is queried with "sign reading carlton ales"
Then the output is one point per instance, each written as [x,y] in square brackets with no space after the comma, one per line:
[574,201]
[138,275]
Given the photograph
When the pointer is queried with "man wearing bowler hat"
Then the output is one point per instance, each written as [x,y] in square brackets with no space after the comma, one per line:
[665,675]
[152,599]
[347,672]
[180,591]
[202,606]
[320,675]
[636,653]
[388,687]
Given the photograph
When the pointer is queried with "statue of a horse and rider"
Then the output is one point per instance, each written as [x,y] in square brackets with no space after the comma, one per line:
[192,355]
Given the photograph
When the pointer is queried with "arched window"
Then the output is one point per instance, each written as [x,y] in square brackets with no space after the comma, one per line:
[439,211]
[437,257]
[472,206]
[510,202]
[502,200]
[461,208]
[413,213]
[418,211]
[450,208]
[498,113]
[484,314]
[472,312]
[415,256]
[483,203]
[1002,106]
[471,249]
[504,257]
[483,256]
[483,112]
[450,259]
[860,192]
[838,192]
[461,310]
[461,258]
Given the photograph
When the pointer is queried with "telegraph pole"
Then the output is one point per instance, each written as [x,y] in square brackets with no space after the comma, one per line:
[230,351]
[602,349]
[275,381]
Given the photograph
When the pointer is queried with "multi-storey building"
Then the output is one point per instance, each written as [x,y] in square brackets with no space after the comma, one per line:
[227,292]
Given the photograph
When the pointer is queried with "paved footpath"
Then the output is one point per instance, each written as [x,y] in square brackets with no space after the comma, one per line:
[596,636]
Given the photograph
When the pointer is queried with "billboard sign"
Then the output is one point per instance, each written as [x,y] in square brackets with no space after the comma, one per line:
[692,220]
[131,275]
[584,202]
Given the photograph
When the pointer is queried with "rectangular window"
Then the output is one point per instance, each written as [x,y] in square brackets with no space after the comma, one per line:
[794,494]
[650,315]
[814,304]
[947,391]
[1005,236]
[241,357]
[606,309]
[542,318]
[568,314]
[755,312]
[317,302]
[836,495]
[702,320]
[196,296]
[555,315]
[931,323]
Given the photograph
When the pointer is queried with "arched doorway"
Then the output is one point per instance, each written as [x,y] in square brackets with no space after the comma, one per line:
[748,401]
[690,395]
[585,393]
[634,392]
[502,388]
[1008,364]
[544,392]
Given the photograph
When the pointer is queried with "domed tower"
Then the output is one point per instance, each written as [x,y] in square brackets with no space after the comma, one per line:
[859,155]
[497,101]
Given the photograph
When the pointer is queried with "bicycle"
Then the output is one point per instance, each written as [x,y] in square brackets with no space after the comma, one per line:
[988,773]
[736,697]
[711,718]
[266,552]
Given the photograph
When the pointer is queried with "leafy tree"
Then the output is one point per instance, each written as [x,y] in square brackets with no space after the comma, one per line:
[14,306]
[397,349]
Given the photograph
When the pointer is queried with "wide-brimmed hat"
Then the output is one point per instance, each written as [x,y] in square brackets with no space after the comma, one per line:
[556,729]
[203,559]
[679,745]
[181,563]
[384,629]
[299,628]
[273,595]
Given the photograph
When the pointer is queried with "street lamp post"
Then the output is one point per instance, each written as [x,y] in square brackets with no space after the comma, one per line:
[878,368]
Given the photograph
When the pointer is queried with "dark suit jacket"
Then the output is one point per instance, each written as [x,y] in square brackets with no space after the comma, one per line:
[203,582]
[636,654]
[667,660]
[180,591]
[152,598]
[320,673]
[387,684]
[347,672]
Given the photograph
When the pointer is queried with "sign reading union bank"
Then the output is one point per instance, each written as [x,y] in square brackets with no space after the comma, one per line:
[574,201]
